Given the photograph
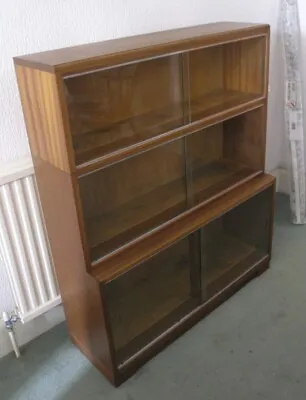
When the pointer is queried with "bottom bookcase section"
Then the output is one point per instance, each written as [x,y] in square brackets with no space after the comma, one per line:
[148,300]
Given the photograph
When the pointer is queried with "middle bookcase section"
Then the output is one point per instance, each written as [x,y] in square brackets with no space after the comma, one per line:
[123,201]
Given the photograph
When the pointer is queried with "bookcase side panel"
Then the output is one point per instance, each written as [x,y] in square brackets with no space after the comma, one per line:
[43,117]
[80,292]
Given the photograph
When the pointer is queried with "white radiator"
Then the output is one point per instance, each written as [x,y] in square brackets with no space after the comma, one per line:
[24,245]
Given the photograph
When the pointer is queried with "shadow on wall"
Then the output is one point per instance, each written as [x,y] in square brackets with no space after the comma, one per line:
[276,143]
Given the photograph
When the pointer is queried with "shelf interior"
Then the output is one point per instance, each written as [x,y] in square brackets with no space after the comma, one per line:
[94,144]
[223,251]
[234,242]
[217,102]
[150,293]
[217,176]
[110,230]
[132,197]
[223,77]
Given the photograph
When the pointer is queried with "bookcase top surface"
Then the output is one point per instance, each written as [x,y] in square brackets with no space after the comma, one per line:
[81,58]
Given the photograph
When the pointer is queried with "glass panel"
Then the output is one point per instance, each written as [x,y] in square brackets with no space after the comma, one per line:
[225,76]
[225,154]
[132,197]
[147,300]
[118,107]
[233,243]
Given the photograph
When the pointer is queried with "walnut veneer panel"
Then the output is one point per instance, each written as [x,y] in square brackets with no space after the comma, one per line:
[80,292]
[40,97]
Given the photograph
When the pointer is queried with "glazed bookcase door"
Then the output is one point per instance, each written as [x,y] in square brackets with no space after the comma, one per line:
[147,300]
[114,108]
[225,76]
[235,242]
[128,199]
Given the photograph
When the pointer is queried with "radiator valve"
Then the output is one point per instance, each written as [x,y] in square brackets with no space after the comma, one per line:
[9,321]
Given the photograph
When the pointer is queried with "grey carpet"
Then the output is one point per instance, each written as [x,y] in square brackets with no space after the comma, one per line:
[252,347]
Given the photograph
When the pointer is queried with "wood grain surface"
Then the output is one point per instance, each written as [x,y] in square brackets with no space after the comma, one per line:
[43,116]
[111,52]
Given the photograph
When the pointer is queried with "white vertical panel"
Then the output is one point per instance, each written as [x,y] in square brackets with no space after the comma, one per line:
[25,248]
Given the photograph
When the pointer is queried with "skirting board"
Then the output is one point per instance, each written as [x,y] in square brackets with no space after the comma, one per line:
[282,180]
[29,331]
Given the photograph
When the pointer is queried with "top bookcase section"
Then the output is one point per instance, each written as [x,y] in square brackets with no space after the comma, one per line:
[120,97]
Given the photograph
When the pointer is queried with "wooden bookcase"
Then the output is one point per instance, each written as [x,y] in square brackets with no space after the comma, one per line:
[149,154]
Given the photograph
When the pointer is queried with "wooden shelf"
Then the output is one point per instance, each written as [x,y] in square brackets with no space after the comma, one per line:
[125,353]
[214,178]
[108,231]
[92,145]
[225,258]
[111,230]
[107,269]
[218,101]
[222,252]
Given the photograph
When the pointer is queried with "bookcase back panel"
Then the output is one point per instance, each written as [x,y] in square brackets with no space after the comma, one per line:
[244,65]
[245,138]
[206,71]
[224,154]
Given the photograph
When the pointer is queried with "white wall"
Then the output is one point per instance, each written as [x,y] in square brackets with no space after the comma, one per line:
[36,25]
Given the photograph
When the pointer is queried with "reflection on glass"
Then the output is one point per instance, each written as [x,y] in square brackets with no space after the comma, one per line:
[117,107]
[147,300]
[125,200]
